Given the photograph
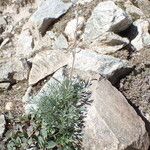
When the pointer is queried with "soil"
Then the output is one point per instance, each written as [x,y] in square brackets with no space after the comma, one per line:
[136,86]
[13,95]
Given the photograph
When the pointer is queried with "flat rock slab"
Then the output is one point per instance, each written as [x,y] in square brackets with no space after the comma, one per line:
[111,123]
[47,12]
[45,63]
[106,16]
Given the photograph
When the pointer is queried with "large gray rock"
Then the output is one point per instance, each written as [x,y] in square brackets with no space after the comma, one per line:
[111,123]
[143,37]
[48,11]
[2,125]
[45,63]
[105,17]
[108,66]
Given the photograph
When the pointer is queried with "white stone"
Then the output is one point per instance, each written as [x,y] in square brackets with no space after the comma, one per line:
[4,86]
[143,37]
[73,27]
[9,106]
[106,16]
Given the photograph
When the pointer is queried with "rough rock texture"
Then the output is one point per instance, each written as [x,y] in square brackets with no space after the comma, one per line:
[143,37]
[48,11]
[108,43]
[105,17]
[108,66]
[111,123]
[2,125]
[46,63]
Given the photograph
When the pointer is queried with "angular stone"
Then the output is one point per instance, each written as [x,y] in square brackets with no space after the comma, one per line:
[108,66]
[143,37]
[111,123]
[45,63]
[4,86]
[108,43]
[105,17]
[48,11]
[13,69]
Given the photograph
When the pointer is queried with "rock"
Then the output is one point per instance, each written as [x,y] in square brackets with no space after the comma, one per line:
[5,41]
[2,125]
[12,69]
[25,44]
[26,97]
[106,16]
[3,24]
[143,37]
[56,79]
[108,43]
[4,86]
[48,11]
[9,106]
[111,123]
[45,63]
[60,43]
[108,66]
[74,27]
[84,1]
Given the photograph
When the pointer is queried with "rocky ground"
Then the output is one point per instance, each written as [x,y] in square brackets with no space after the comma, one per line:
[42,40]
